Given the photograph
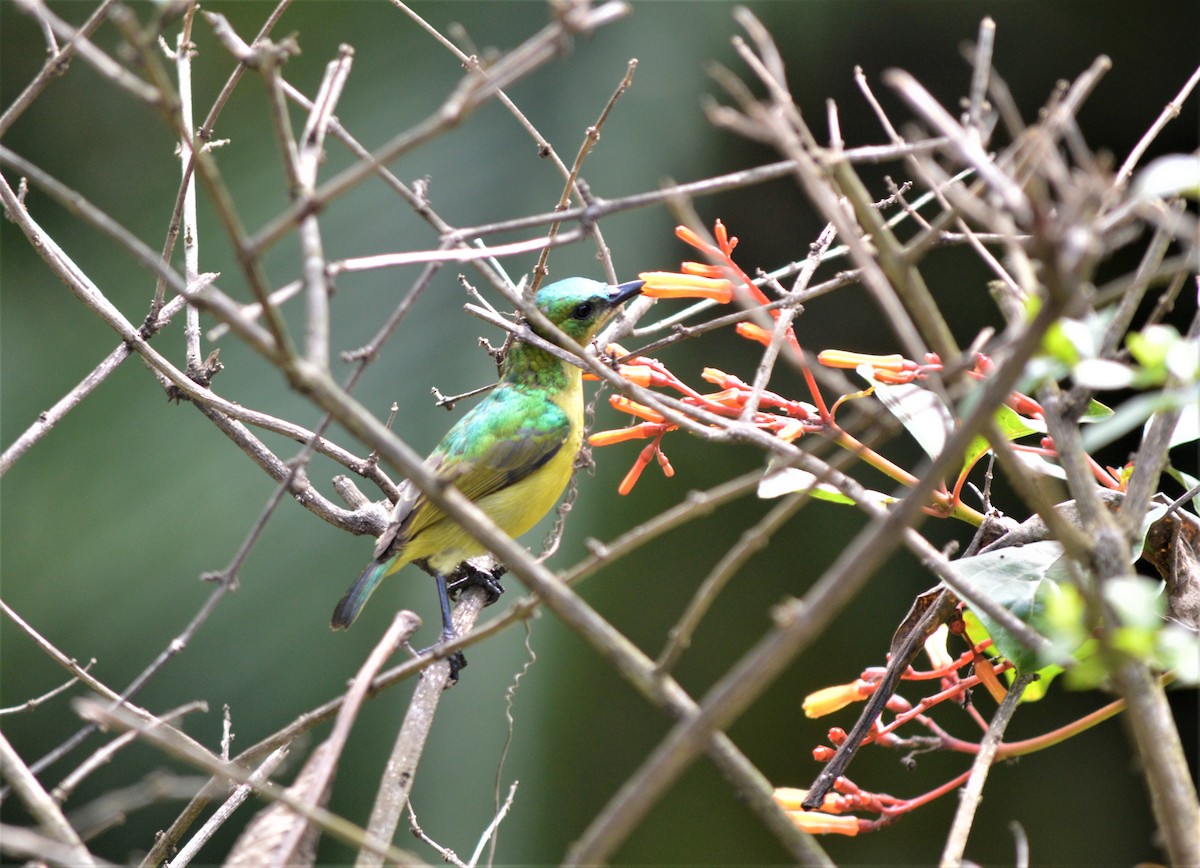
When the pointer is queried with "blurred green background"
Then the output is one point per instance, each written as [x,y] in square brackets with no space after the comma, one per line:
[110,520]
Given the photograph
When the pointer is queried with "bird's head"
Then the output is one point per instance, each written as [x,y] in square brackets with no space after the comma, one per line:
[581,307]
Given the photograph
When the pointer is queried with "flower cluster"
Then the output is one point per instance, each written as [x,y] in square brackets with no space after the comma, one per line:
[717,281]
[785,418]
[721,280]
[833,816]
[1028,416]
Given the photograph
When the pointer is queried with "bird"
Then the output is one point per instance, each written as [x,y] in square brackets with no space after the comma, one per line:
[511,455]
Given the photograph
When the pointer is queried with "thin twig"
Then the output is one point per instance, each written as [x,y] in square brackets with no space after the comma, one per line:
[310,152]
[239,795]
[54,66]
[403,625]
[1168,114]
[170,741]
[105,754]
[184,51]
[471,93]
[591,137]
[43,808]
[31,704]
[972,793]
[401,769]
[87,50]
[751,541]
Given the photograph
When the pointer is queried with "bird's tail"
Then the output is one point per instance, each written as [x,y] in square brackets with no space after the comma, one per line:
[346,611]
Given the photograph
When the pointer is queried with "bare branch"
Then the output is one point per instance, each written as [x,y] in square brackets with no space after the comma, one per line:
[972,794]
[401,769]
[44,809]
[170,741]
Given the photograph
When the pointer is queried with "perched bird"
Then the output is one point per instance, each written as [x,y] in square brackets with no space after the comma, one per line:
[512,455]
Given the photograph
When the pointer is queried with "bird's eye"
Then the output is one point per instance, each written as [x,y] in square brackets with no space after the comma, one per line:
[583,310]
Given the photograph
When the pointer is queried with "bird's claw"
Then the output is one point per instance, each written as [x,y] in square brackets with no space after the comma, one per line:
[457,660]
[468,576]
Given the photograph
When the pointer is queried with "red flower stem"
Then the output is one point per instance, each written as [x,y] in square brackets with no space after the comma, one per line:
[936,793]
[761,298]
[1010,749]
[945,504]
[870,456]
[963,659]
[930,701]
[1102,475]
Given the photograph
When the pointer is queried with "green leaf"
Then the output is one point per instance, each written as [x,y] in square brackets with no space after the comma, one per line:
[1137,602]
[1183,360]
[1012,424]
[789,480]
[976,449]
[1032,582]
[1021,579]
[1095,412]
[1039,464]
[1035,690]
[1187,429]
[1137,410]
[1103,374]
[1068,341]
[1187,481]
[1179,652]
[1151,345]
[920,411]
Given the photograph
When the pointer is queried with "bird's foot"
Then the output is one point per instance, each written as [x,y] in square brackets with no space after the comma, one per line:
[457,660]
[467,576]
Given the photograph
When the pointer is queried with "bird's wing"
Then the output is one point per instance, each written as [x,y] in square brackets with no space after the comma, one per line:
[501,441]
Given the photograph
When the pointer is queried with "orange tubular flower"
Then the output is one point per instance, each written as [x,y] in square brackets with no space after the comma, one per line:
[816,823]
[703,269]
[717,377]
[829,699]
[790,798]
[723,240]
[635,472]
[752,332]
[887,369]
[987,676]
[633,408]
[687,236]
[790,430]
[851,360]
[639,375]
[644,431]
[670,284]
[885,376]
[664,463]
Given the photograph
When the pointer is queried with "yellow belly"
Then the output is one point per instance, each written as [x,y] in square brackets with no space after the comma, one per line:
[515,509]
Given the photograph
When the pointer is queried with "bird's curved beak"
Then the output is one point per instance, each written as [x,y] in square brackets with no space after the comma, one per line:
[625,291]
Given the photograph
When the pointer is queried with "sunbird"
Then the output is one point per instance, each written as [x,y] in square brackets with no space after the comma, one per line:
[512,455]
